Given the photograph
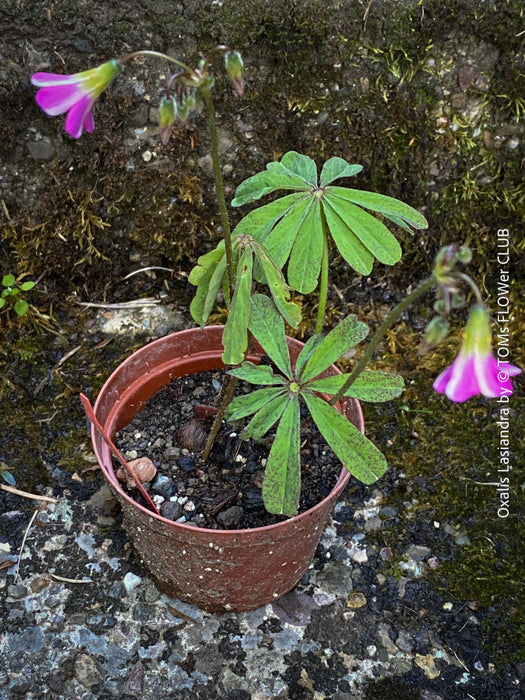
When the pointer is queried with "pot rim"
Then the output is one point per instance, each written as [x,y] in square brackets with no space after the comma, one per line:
[109,473]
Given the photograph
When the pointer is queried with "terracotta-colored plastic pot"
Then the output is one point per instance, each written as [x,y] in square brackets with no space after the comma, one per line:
[231,570]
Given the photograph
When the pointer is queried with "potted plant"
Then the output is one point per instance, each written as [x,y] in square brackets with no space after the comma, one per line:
[221,569]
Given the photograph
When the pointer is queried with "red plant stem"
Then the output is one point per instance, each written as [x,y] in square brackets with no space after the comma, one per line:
[94,420]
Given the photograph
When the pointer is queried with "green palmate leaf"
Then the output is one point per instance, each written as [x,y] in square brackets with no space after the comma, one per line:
[276,178]
[350,247]
[266,417]
[388,206]
[356,452]
[335,168]
[292,228]
[371,232]
[344,336]
[369,386]
[256,374]
[278,288]
[282,476]
[307,251]
[235,334]
[268,328]
[301,165]
[243,406]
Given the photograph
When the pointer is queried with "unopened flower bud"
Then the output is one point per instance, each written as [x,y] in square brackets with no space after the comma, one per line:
[458,300]
[234,69]
[440,306]
[445,261]
[189,101]
[167,116]
[435,333]
[183,110]
[464,254]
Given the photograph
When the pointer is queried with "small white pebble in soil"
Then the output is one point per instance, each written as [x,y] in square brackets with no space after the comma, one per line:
[447,606]
[131,581]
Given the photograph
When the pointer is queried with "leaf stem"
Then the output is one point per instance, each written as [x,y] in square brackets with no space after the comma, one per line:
[393,317]
[323,290]
[219,187]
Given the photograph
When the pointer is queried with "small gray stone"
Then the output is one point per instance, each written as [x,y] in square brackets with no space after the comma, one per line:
[163,484]
[230,517]
[171,510]
[131,581]
[86,671]
[104,502]
[335,579]
[418,552]
[83,45]
[15,590]
[41,150]
[171,454]
[373,524]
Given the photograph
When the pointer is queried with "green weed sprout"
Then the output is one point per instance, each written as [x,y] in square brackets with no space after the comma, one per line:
[12,294]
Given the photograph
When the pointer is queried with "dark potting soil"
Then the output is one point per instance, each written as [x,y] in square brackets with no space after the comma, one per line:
[224,492]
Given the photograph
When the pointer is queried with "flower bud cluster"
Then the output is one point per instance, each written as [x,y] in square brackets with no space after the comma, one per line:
[449,294]
[187,90]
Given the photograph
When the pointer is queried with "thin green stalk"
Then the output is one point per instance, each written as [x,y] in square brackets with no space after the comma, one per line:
[389,321]
[219,188]
[323,290]
[227,394]
[130,56]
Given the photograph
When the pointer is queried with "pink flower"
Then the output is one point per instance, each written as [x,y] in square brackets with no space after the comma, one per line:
[75,94]
[475,370]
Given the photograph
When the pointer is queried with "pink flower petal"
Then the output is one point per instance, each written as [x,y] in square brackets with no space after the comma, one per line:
[511,370]
[51,79]
[57,100]
[463,383]
[89,122]
[440,383]
[78,116]
[486,368]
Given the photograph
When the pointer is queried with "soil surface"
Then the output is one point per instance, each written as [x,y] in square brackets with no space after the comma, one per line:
[225,492]
[416,591]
